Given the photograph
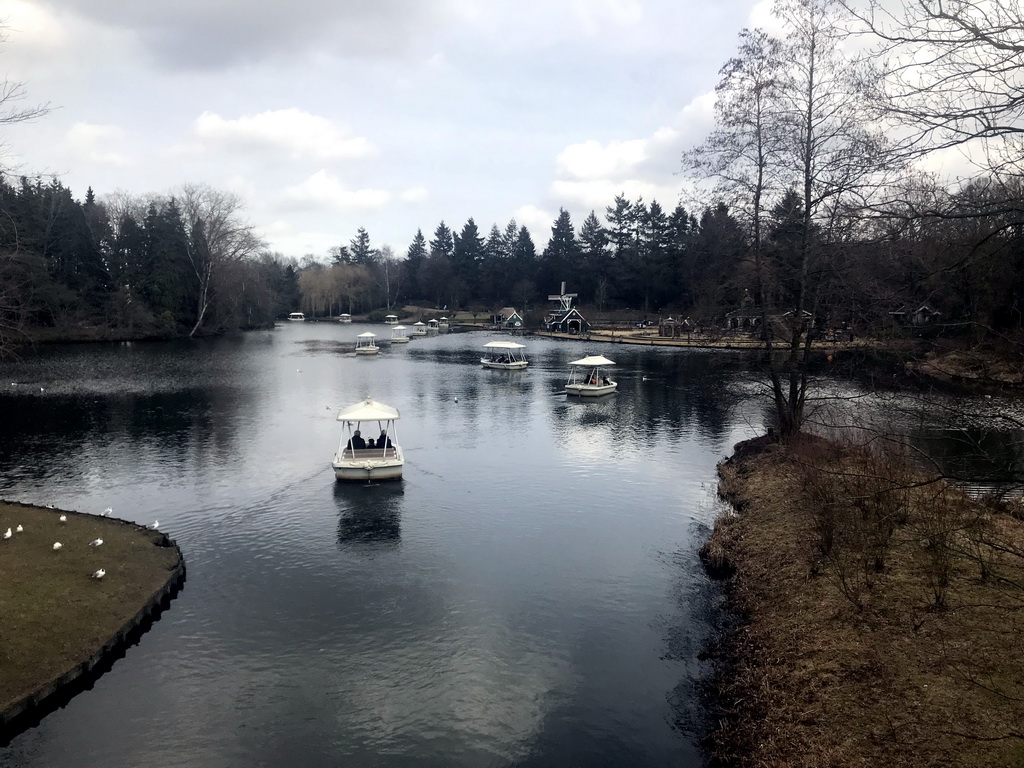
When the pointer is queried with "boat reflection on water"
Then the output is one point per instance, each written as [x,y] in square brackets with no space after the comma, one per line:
[370,515]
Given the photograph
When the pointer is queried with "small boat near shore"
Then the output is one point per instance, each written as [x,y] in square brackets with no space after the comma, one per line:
[398,335]
[587,377]
[296,317]
[344,317]
[391,320]
[365,344]
[419,329]
[354,459]
[504,355]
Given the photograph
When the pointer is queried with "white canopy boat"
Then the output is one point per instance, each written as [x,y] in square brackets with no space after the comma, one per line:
[344,317]
[507,355]
[391,319]
[398,335]
[433,326]
[442,324]
[297,316]
[419,329]
[354,459]
[588,379]
[365,345]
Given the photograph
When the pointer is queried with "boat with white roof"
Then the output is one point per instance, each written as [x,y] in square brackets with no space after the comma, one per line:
[398,335]
[365,344]
[506,355]
[355,458]
[588,377]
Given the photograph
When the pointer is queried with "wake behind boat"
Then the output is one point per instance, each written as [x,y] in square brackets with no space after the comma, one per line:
[587,377]
[506,355]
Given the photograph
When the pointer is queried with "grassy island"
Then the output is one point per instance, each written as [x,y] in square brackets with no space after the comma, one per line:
[882,615]
[59,622]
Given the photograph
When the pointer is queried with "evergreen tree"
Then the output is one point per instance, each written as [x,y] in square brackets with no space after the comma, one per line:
[414,258]
[562,258]
[467,255]
[359,247]
[443,243]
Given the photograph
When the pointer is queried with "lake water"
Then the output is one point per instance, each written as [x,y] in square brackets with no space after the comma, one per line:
[528,595]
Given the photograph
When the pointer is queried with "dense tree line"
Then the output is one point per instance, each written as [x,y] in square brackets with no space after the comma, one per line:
[810,204]
[185,264]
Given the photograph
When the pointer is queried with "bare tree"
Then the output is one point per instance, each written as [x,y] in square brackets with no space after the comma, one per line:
[948,74]
[216,237]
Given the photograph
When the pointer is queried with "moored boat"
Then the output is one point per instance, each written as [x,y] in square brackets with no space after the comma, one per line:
[442,324]
[587,377]
[355,459]
[391,320]
[297,317]
[419,329]
[432,326]
[398,335]
[365,344]
[506,355]
[344,317]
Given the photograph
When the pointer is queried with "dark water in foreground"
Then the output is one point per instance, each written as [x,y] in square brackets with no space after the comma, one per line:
[528,595]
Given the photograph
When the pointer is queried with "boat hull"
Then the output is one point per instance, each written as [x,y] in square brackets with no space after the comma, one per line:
[361,472]
[400,340]
[516,365]
[590,390]
[367,350]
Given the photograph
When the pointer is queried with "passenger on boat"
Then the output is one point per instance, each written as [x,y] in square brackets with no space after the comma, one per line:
[370,444]
[383,441]
[357,441]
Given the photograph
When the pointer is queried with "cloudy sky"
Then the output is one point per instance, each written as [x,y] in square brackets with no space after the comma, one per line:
[328,115]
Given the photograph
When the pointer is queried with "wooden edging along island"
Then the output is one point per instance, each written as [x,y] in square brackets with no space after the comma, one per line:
[62,626]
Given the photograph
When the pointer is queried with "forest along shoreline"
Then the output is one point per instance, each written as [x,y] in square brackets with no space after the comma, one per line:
[879,615]
[63,626]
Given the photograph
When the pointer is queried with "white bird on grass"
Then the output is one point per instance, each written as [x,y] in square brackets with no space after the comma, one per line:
[63,518]
[154,526]
[99,574]
[7,534]
[95,542]
[57,545]
[19,529]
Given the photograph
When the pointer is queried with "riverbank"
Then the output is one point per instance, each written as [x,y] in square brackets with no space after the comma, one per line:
[882,615]
[61,625]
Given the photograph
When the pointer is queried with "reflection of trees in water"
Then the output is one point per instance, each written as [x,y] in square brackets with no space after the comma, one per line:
[975,454]
[661,396]
[183,427]
[370,514]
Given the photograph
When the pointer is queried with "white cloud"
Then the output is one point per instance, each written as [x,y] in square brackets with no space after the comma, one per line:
[292,131]
[592,160]
[414,195]
[324,190]
[93,143]
[537,221]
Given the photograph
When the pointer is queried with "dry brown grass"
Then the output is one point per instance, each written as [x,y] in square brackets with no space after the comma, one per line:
[54,614]
[894,639]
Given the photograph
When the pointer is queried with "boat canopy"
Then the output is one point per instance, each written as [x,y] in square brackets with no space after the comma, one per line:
[368,410]
[367,335]
[593,360]
[504,345]
[417,323]
[398,328]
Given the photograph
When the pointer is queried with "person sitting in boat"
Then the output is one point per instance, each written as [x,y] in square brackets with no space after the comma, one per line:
[370,444]
[357,441]
[383,441]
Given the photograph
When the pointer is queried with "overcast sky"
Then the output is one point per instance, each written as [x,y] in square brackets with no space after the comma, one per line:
[328,115]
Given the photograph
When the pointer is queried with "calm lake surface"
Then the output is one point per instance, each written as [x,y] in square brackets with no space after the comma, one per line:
[528,595]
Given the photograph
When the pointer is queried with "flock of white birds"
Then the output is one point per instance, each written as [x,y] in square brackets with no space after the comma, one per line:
[57,546]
